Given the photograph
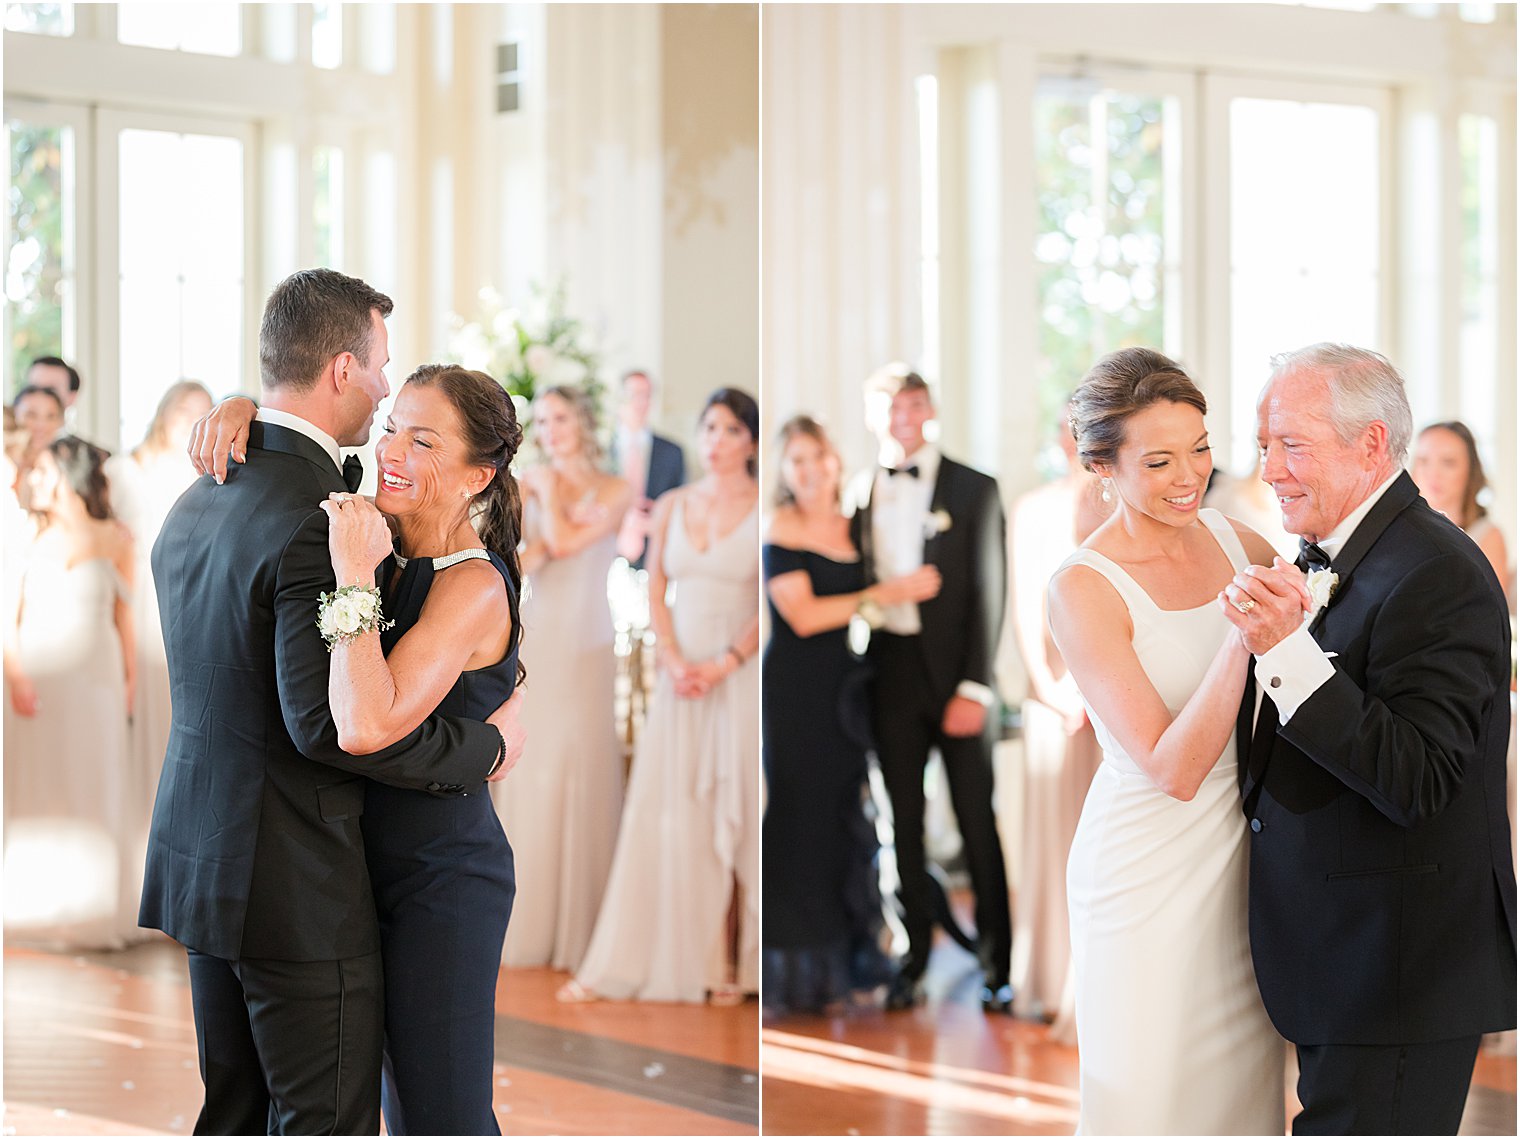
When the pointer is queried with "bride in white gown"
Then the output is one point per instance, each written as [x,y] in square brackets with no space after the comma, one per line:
[1171,1032]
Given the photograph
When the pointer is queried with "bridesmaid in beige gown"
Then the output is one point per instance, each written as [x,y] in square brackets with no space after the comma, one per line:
[144,485]
[562,805]
[680,919]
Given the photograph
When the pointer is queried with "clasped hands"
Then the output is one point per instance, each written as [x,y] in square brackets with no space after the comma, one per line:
[694,680]
[1266,603]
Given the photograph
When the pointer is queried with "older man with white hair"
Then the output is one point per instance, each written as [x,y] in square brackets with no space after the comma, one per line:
[1382,896]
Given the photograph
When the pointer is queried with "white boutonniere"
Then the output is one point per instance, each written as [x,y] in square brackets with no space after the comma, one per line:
[936,523]
[1322,585]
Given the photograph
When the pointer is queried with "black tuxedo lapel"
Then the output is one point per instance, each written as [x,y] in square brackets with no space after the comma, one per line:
[936,503]
[273,437]
[1398,498]
[865,540]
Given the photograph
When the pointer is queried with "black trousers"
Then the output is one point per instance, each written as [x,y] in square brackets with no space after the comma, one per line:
[907,723]
[288,1047]
[1398,1089]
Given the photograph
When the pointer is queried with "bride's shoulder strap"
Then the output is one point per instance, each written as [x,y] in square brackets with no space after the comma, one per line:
[1224,533]
[1124,585]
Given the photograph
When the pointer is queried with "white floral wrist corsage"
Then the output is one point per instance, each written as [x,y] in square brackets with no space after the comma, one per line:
[349,611]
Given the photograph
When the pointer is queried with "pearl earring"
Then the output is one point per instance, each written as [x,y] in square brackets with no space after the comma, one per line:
[1108,494]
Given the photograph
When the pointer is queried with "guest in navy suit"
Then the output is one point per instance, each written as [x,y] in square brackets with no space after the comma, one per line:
[1382,895]
[650,463]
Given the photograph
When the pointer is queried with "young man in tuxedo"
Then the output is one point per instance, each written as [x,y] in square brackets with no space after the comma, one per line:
[652,464]
[255,857]
[1382,894]
[934,684]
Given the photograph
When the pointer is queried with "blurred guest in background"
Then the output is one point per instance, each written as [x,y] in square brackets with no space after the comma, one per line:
[1450,476]
[1061,753]
[53,373]
[823,915]
[651,464]
[144,485]
[39,413]
[67,882]
[680,917]
[562,809]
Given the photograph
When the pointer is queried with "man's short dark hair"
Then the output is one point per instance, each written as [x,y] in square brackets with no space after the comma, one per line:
[310,317]
[894,378]
[57,362]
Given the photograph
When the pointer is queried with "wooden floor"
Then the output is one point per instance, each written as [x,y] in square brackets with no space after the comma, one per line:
[947,1068]
[103,1044]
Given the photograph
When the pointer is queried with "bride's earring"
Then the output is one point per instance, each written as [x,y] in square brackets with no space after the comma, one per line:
[1108,491]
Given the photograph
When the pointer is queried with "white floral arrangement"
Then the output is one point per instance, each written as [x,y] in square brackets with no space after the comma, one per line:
[937,523]
[524,351]
[1321,583]
[348,612]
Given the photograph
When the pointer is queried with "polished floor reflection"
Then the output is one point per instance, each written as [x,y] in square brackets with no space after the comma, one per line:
[946,1068]
[103,1044]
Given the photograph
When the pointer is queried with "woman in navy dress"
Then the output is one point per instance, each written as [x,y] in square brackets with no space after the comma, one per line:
[441,868]
[823,915]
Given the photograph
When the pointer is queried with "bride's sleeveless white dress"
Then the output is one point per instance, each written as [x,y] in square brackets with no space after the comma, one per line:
[1171,1032]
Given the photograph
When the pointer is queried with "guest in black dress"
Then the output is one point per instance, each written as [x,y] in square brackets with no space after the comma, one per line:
[822,907]
[441,868]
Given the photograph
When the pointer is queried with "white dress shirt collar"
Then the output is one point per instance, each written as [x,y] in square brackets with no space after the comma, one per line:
[305,427]
[1337,538]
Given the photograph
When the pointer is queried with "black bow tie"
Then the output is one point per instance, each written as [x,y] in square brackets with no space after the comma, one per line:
[911,472]
[353,473]
[1311,557]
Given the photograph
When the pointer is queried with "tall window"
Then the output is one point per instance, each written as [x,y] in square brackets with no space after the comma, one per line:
[327,206]
[327,35]
[1105,246]
[39,258]
[1478,145]
[1305,262]
[40,19]
[207,29]
[181,267]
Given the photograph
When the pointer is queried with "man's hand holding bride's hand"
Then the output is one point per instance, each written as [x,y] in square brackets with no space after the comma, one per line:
[222,430]
[1266,603]
[506,721]
[358,537]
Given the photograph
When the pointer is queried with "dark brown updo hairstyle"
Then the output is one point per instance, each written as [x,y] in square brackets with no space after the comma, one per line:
[1115,388]
[83,466]
[744,409]
[492,436]
[1472,509]
[800,426]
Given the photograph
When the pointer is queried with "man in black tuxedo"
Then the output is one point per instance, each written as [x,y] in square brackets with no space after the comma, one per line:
[652,464]
[255,857]
[934,684]
[1382,895]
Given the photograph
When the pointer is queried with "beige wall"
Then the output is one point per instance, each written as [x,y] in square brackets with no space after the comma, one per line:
[710,262]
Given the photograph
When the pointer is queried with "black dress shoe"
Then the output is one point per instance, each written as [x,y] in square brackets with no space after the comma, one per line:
[998,999]
[903,993]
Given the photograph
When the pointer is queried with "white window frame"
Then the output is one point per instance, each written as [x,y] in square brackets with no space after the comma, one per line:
[78,347]
[110,122]
[1215,293]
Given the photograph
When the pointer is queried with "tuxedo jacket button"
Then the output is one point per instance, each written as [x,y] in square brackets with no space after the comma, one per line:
[1275,682]
[1256,826]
